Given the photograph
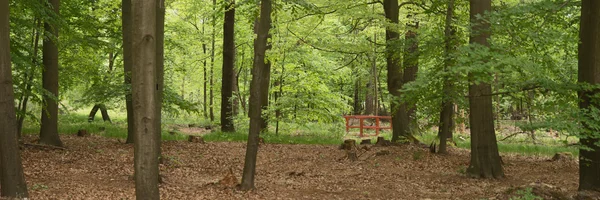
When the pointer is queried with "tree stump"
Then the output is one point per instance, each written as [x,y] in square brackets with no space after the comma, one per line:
[352,155]
[82,133]
[383,142]
[365,141]
[562,156]
[195,139]
[348,144]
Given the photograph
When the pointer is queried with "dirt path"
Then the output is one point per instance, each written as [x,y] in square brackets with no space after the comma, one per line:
[102,168]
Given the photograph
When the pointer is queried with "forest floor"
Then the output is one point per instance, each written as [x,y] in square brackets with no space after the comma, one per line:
[96,167]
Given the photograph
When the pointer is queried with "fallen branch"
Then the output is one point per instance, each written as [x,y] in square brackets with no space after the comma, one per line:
[43,146]
[512,135]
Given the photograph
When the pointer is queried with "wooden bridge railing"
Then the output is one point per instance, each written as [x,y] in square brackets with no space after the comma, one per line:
[362,126]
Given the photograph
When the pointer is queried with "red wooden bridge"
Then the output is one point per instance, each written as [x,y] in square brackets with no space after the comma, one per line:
[362,126]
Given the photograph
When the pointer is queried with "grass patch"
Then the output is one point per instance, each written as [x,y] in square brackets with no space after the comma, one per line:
[290,133]
[546,149]
[272,138]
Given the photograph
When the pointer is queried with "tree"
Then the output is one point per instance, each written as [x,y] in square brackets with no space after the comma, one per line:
[447,113]
[485,159]
[145,90]
[213,34]
[49,124]
[394,75]
[404,112]
[12,179]
[256,94]
[127,64]
[228,68]
[589,65]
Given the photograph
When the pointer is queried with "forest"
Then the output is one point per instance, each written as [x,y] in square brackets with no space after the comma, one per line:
[300,99]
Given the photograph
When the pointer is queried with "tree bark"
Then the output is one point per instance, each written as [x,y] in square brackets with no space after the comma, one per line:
[212,64]
[127,65]
[12,179]
[485,159]
[447,113]
[160,66]
[145,97]
[205,79]
[228,75]
[411,67]
[356,98]
[49,122]
[589,67]
[394,75]
[260,47]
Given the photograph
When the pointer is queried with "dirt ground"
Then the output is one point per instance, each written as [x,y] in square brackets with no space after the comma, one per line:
[101,168]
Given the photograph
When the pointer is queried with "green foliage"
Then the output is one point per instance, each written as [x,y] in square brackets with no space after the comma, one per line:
[526,194]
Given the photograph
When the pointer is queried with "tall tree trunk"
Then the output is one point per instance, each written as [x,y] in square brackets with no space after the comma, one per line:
[205,77]
[589,66]
[447,113]
[160,63]
[12,179]
[394,75]
[145,97]
[260,47]
[127,64]
[411,67]
[34,62]
[485,159]
[49,124]
[212,64]
[228,68]
[375,75]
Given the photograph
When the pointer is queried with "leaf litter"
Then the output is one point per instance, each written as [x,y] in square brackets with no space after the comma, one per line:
[96,167]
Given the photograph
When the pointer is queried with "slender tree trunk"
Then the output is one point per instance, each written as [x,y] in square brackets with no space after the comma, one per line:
[375,74]
[12,179]
[205,81]
[236,92]
[264,84]
[212,64]
[145,96]
[102,109]
[278,94]
[485,159]
[447,113]
[49,124]
[356,99]
[228,74]
[25,97]
[589,66]
[260,47]
[394,75]
[240,99]
[127,65]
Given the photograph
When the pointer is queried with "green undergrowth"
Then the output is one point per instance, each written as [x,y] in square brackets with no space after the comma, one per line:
[289,133]
[272,138]
[545,148]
